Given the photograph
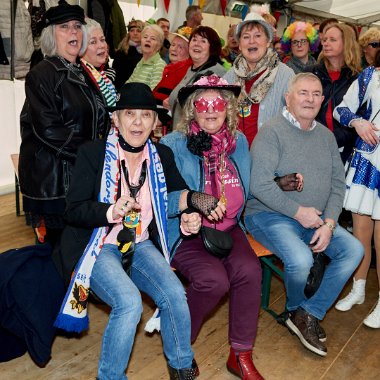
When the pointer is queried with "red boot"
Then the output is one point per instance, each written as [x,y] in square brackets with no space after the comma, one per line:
[241,364]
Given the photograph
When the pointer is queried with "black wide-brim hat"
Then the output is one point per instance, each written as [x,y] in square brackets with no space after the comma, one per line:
[138,96]
[214,82]
[63,12]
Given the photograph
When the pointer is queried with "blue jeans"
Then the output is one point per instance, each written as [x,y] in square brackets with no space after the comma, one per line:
[152,275]
[289,240]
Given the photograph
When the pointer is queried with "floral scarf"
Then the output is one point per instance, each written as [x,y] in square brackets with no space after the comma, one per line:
[268,66]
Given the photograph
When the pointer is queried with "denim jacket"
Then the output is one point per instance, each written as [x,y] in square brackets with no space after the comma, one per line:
[192,170]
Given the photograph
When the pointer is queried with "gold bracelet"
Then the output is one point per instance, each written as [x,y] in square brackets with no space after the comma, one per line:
[330,226]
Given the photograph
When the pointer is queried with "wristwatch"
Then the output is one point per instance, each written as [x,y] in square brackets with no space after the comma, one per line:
[330,226]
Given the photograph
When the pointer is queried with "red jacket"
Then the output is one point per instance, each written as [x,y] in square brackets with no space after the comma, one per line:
[171,76]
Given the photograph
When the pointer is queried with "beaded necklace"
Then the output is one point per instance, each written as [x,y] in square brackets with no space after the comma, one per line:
[75,68]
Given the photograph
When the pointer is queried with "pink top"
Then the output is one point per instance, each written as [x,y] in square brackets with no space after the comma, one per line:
[233,192]
[143,198]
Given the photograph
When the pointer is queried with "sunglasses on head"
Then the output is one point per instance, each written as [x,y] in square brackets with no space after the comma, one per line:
[374,44]
[202,105]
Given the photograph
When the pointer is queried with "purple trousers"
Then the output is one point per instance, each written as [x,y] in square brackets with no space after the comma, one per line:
[211,278]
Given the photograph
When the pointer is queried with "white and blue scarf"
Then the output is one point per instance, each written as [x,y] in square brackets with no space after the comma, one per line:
[73,314]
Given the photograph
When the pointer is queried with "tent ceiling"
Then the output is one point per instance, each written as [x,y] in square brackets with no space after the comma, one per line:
[362,12]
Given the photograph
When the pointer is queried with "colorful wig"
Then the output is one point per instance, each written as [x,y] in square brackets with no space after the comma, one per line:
[300,26]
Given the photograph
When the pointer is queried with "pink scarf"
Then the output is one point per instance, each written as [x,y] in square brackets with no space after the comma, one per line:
[222,141]
[222,144]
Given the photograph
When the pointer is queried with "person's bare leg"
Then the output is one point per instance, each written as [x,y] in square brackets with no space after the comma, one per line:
[363,227]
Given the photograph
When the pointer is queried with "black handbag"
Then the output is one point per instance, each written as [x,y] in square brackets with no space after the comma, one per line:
[316,274]
[218,243]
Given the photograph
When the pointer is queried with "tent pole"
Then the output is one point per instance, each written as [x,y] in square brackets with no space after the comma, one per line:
[13,18]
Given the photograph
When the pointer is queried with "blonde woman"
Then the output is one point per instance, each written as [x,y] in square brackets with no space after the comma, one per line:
[149,69]
[370,44]
[338,66]
[362,182]
[213,156]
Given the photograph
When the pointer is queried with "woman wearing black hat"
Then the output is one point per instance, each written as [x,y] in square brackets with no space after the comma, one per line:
[213,157]
[122,193]
[61,112]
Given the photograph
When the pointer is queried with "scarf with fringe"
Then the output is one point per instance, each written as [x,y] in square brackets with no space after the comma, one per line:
[268,66]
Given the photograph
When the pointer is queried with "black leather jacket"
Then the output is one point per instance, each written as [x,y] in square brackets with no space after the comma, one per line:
[335,91]
[60,113]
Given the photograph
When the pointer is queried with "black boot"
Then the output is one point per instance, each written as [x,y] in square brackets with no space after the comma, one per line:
[182,374]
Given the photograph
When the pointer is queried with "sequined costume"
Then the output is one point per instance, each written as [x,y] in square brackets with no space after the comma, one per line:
[363,176]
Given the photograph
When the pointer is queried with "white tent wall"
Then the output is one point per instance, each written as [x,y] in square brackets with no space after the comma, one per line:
[11,100]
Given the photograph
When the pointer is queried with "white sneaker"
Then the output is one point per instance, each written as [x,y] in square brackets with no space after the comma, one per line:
[373,320]
[355,297]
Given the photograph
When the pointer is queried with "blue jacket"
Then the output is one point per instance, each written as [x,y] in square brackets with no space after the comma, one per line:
[192,170]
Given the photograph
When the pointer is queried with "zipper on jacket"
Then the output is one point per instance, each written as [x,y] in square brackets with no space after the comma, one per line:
[66,181]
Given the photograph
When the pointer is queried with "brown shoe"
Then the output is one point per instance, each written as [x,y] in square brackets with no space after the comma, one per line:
[304,325]
[241,365]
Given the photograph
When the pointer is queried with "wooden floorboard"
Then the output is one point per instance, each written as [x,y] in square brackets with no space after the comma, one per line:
[353,349]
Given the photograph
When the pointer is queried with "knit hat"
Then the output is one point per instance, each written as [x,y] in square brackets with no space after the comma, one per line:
[254,18]
[63,12]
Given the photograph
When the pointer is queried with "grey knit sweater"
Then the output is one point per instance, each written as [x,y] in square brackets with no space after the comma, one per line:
[281,148]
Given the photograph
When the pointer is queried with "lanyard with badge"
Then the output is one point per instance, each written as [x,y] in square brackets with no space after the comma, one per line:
[132,222]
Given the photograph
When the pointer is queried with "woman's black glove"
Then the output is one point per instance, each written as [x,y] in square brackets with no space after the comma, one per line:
[290,182]
[201,202]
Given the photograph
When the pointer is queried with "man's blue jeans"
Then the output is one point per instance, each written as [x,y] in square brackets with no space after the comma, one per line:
[289,240]
[152,275]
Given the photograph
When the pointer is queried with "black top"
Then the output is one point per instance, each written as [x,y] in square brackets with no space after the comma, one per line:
[124,64]
[84,212]
[334,91]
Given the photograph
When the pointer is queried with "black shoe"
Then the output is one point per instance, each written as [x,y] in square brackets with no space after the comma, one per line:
[195,367]
[182,374]
[304,325]
[321,332]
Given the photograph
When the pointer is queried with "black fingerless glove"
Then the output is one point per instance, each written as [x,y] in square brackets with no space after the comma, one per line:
[287,182]
[201,202]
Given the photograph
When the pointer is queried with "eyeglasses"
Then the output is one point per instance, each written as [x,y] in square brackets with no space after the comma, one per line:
[218,105]
[374,44]
[299,42]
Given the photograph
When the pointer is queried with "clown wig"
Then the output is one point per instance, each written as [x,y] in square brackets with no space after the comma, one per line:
[300,26]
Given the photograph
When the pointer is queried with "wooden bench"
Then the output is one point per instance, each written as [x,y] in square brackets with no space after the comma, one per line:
[268,263]
[14,159]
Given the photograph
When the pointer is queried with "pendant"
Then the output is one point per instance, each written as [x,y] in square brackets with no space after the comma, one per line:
[223,199]
[131,220]
[245,110]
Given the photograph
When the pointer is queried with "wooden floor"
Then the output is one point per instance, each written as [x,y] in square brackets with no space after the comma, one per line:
[353,349]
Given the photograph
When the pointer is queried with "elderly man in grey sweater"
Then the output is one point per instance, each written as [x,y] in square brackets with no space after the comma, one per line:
[295,224]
